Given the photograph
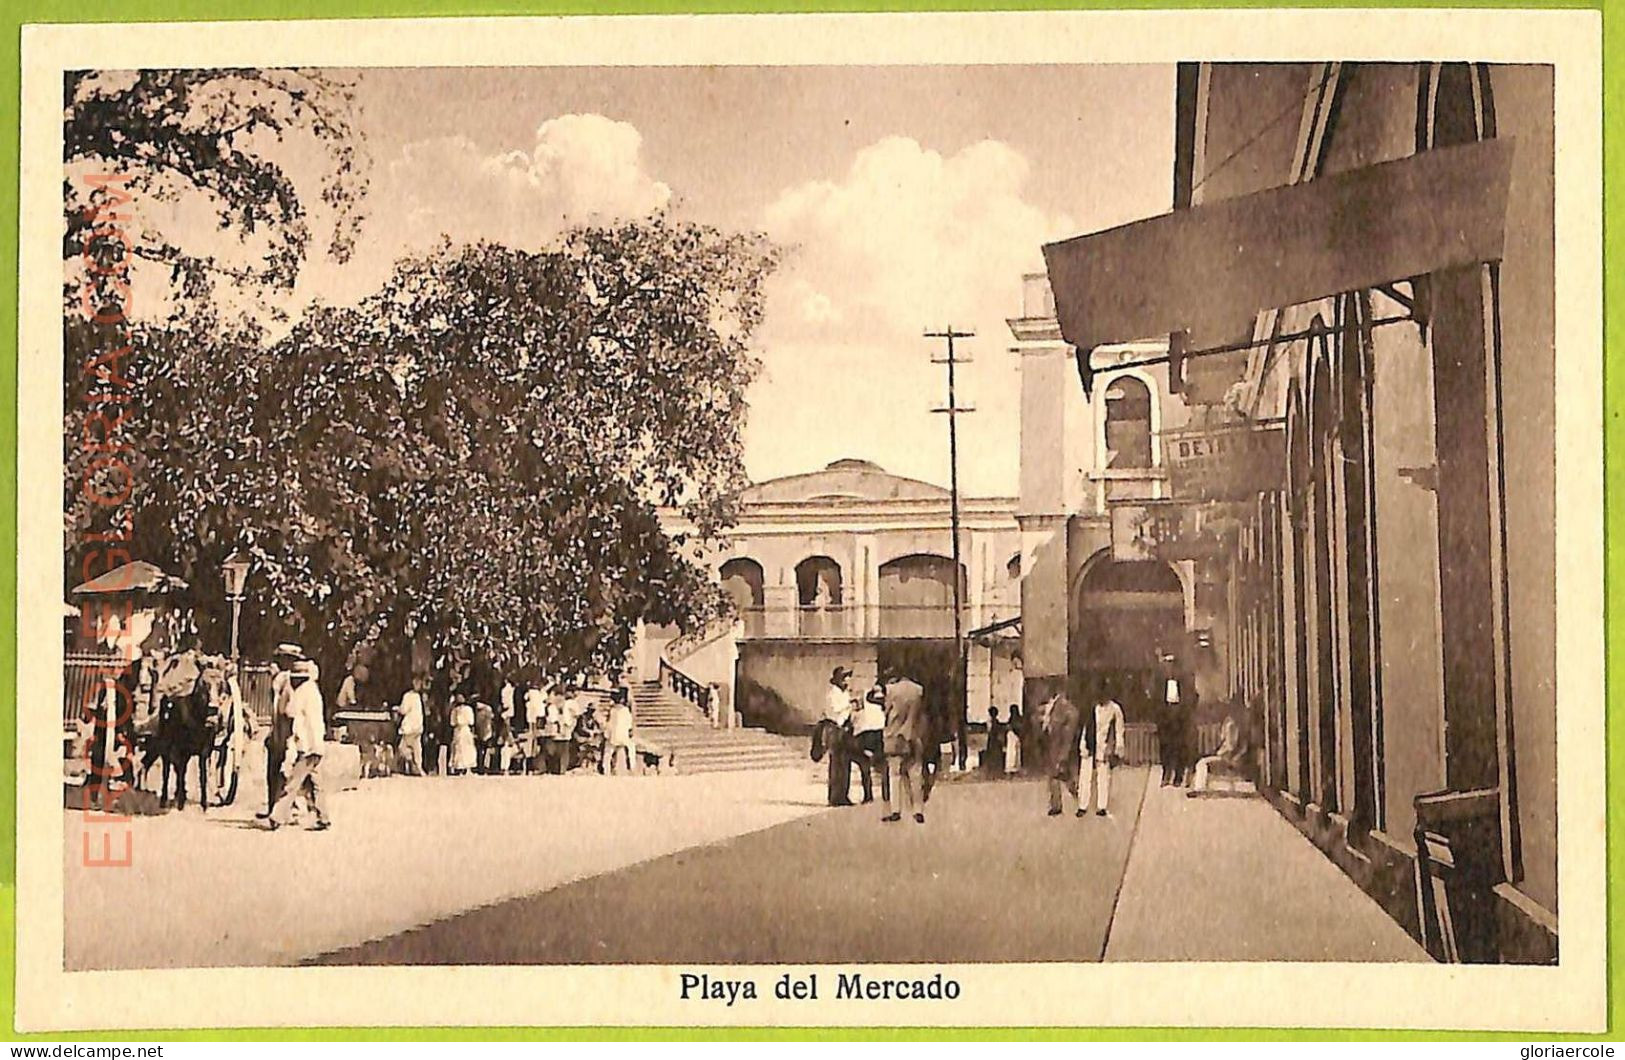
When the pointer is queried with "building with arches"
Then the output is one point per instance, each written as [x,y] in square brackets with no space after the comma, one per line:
[1089,614]
[851,565]
[1357,255]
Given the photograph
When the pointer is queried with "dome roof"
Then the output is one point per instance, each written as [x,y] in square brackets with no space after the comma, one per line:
[848,479]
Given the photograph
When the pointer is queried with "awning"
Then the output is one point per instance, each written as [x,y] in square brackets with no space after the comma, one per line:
[138,576]
[1196,270]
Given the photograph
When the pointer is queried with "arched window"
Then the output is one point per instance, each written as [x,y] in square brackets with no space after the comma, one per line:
[1128,423]
[818,582]
[742,579]
[1012,569]
[917,596]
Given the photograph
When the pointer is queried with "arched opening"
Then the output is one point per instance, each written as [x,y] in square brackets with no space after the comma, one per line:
[818,582]
[917,597]
[742,580]
[1126,614]
[818,592]
[1463,333]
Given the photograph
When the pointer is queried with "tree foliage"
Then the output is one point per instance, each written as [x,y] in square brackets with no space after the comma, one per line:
[211,133]
[479,450]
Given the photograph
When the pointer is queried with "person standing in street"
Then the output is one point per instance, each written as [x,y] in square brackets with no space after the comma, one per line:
[1171,725]
[556,730]
[907,732]
[284,659]
[619,740]
[837,737]
[484,737]
[460,757]
[534,712]
[998,736]
[307,740]
[1059,736]
[409,747]
[1106,737]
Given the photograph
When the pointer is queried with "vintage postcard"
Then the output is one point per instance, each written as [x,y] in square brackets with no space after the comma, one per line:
[969,520]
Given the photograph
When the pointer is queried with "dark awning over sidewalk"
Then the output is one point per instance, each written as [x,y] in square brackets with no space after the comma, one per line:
[1196,269]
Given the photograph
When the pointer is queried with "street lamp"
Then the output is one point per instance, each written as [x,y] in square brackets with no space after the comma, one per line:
[234,569]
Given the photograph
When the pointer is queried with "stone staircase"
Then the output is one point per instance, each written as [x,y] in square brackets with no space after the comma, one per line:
[664,718]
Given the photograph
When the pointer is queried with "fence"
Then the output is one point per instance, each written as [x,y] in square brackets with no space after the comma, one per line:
[1140,747]
[85,673]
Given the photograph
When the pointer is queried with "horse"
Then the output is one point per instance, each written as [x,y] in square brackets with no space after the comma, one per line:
[192,701]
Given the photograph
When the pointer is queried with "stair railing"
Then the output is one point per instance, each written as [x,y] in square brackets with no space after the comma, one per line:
[686,644]
[686,687]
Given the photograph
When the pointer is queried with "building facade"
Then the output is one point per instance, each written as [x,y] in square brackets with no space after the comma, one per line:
[1090,611]
[1361,256]
[853,566]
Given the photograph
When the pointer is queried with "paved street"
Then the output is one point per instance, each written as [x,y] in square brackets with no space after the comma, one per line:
[403,851]
[742,867]
[988,877]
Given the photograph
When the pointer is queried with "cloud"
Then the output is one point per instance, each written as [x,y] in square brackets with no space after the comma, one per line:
[906,240]
[580,168]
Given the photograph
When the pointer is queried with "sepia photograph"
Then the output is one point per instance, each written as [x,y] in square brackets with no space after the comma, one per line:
[811,527]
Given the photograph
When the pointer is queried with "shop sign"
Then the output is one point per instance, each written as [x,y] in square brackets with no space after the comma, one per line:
[1228,462]
[1173,530]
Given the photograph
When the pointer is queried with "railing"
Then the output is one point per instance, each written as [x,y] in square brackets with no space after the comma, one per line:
[1140,746]
[685,686]
[853,622]
[684,645]
[84,674]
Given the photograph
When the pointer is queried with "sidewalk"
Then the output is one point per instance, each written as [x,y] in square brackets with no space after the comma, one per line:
[1227,879]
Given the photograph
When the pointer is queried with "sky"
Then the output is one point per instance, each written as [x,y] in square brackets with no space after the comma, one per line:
[908,199]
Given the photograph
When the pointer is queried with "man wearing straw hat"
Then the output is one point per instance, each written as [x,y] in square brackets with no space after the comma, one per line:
[837,733]
[306,743]
[276,740]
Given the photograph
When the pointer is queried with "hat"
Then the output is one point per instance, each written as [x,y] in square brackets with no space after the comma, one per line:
[292,651]
[304,668]
[839,672]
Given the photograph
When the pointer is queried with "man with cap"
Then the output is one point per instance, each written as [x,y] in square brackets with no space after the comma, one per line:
[837,723]
[276,740]
[306,742]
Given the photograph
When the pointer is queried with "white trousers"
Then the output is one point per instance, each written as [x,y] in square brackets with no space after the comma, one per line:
[1100,786]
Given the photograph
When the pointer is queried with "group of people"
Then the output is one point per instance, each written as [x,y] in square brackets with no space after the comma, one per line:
[1081,747]
[884,726]
[527,729]
[1084,747]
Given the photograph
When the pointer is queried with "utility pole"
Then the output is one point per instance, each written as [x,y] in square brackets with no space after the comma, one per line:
[953,410]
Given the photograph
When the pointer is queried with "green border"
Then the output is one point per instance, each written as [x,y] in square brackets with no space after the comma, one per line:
[20,12]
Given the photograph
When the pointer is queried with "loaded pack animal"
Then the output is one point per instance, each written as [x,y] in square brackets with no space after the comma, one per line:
[192,710]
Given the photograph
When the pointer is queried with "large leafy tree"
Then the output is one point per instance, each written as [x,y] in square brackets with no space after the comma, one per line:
[218,137]
[477,453]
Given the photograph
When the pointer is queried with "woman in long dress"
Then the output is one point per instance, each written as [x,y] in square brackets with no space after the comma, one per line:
[462,739]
